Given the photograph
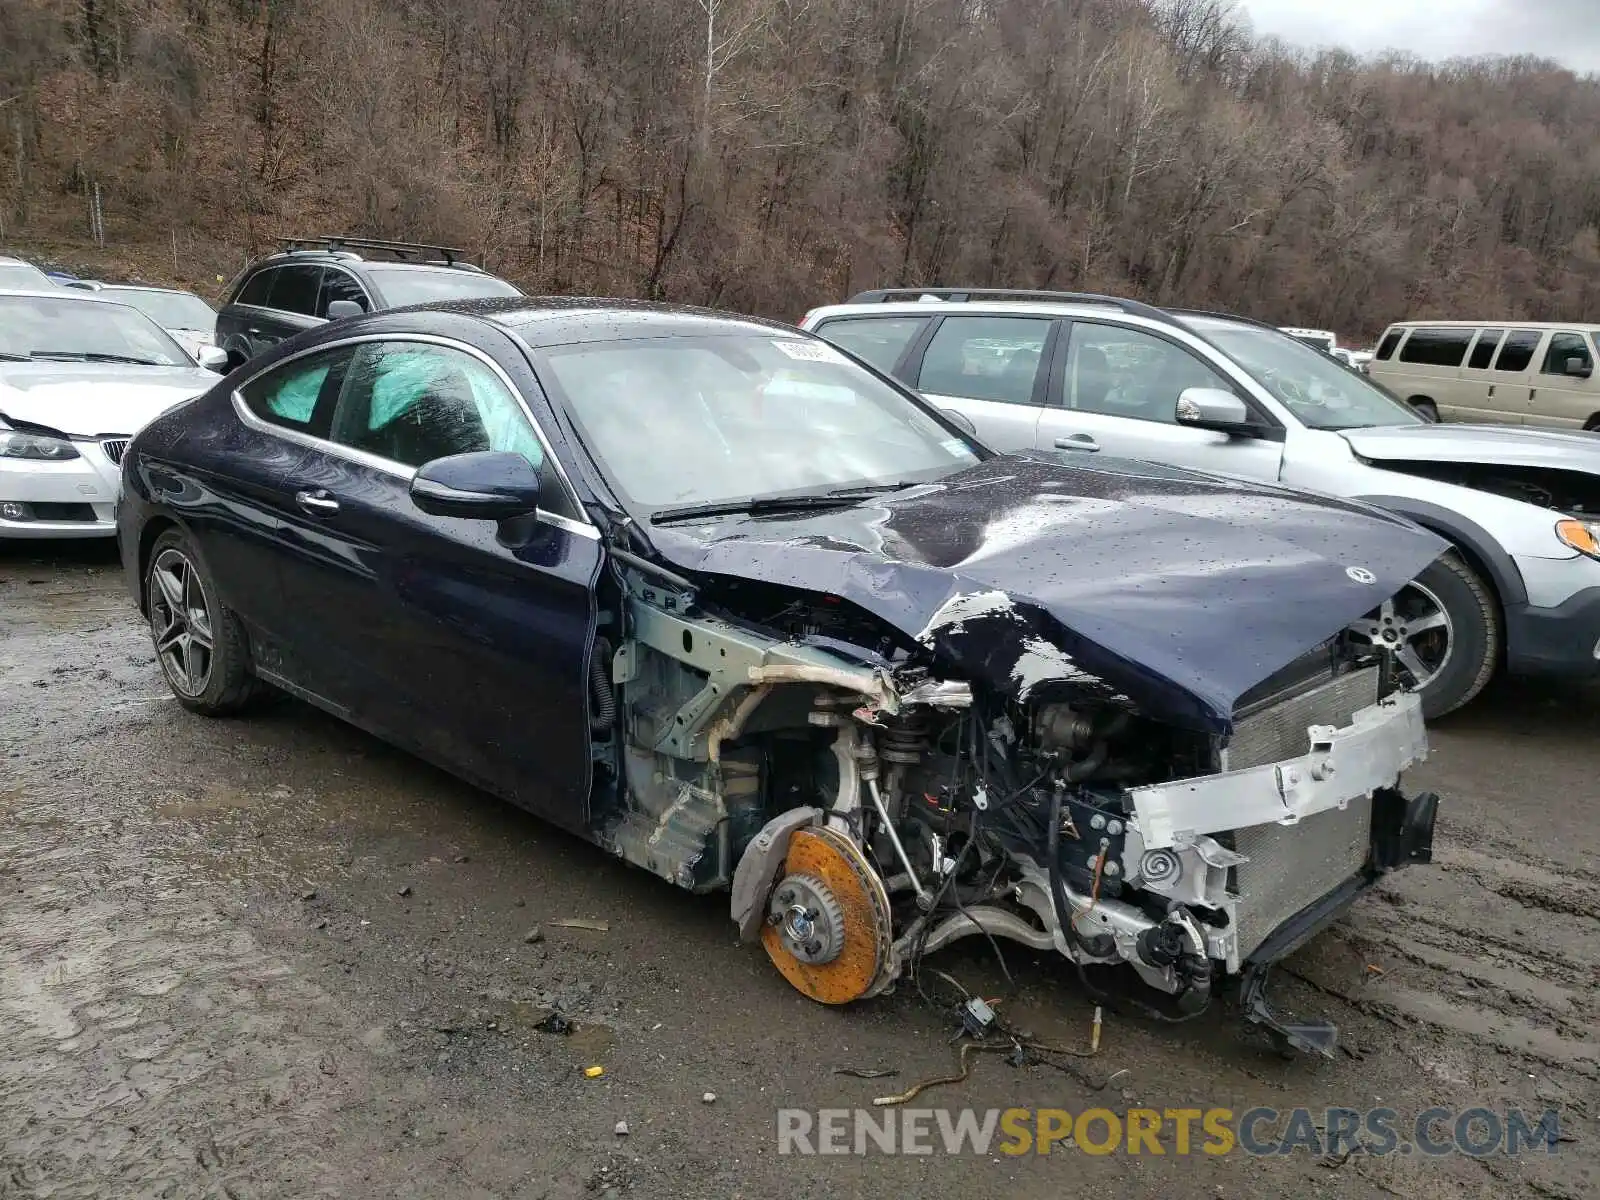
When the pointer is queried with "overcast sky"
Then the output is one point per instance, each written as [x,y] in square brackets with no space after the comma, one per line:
[1565,30]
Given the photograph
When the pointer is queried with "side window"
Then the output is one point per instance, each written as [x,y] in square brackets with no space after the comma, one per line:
[1391,339]
[256,289]
[1564,347]
[340,285]
[1439,346]
[1483,349]
[411,403]
[985,358]
[288,396]
[879,340]
[1130,373]
[1516,352]
[295,289]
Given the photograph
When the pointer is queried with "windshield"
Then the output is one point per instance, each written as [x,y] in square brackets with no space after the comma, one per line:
[1314,387]
[45,328]
[170,310]
[414,285]
[23,277]
[693,420]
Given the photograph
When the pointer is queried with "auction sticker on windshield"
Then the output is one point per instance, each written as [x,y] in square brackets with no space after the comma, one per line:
[818,351]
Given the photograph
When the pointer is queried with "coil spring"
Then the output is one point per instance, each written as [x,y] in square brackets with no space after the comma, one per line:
[904,739]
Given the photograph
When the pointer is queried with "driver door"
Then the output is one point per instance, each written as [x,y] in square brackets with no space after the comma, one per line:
[438,631]
[1114,390]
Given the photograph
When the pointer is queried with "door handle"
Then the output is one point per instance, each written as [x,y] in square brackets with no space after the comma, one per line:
[1532,392]
[1491,389]
[1077,441]
[317,503]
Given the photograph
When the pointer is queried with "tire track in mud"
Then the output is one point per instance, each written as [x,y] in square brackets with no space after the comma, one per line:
[152,1047]
[1503,952]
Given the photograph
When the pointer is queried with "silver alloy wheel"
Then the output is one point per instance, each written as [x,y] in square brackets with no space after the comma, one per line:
[180,622]
[1413,626]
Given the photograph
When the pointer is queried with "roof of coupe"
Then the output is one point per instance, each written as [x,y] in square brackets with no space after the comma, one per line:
[558,320]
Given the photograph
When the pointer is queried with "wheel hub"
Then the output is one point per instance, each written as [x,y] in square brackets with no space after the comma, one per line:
[1415,627]
[180,622]
[809,919]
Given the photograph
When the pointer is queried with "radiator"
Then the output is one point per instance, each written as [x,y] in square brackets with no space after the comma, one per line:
[1292,865]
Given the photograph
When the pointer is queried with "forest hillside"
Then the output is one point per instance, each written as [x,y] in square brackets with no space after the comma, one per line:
[768,155]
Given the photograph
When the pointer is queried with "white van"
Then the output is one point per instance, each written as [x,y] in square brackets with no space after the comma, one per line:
[1511,373]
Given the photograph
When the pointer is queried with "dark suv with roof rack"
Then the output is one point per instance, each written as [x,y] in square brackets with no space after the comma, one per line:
[325,279]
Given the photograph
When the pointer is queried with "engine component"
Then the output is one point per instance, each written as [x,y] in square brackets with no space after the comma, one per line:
[822,859]
[976,1017]
[1061,727]
[1161,867]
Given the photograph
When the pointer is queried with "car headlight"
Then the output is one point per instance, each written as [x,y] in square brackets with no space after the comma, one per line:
[31,445]
[1582,536]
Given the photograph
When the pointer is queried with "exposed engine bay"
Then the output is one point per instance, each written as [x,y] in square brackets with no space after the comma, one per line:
[1575,492]
[866,810]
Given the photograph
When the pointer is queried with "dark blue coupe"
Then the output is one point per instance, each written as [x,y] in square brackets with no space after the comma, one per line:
[723,599]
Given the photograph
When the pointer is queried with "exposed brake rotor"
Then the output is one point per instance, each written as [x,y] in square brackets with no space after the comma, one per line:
[828,925]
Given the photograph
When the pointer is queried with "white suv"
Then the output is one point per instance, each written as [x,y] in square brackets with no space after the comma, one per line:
[1082,375]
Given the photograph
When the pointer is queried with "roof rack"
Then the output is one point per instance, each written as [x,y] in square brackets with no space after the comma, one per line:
[1227,316]
[450,256]
[1132,307]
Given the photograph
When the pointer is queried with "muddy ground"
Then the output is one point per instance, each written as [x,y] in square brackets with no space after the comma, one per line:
[273,957]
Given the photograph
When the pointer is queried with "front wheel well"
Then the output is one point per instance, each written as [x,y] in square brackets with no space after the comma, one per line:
[153,529]
[1593,423]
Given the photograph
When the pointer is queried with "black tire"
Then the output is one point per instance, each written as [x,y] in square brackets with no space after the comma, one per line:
[1474,650]
[214,680]
[1592,424]
[1426,409]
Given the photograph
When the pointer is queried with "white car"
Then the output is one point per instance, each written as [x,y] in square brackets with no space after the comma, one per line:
[189,319]
[1096,374]
[19,276]
[79,376]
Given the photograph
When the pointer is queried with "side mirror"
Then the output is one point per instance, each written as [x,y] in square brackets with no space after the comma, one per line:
[960,420]
[338,310]
[1212,408]
[1580,367]
[489,485]
[214,358]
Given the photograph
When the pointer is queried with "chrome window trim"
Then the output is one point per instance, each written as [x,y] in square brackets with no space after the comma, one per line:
[582,528]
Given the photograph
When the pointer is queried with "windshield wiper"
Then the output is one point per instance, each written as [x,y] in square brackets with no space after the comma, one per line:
[795,502]
[7,356]
[98,356]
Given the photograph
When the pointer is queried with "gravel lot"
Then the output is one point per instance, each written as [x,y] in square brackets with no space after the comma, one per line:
[273,957]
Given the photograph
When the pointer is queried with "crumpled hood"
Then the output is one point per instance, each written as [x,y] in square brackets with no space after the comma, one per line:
[1173,590]
[94,399]
[1490,445]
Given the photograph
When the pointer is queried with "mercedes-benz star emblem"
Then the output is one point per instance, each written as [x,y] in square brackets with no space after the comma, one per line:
[1361,575]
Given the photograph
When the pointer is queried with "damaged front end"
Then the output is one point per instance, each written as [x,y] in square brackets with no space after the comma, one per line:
[871,796]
